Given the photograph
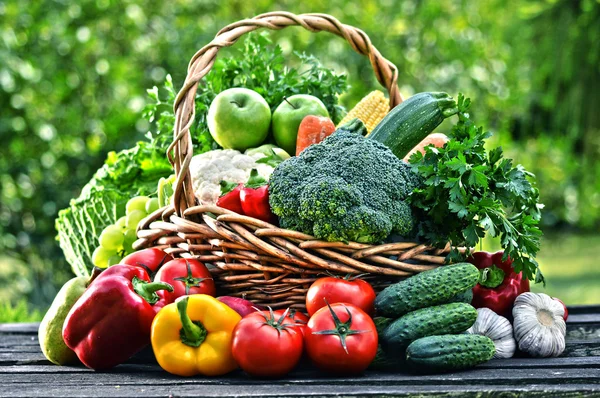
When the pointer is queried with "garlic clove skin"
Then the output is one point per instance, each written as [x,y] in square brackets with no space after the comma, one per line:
[498,329]
[539,327]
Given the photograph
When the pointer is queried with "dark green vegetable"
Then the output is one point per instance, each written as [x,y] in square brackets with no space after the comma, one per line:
[346,188]
[426,289]
[414,119]
[464,297]
[442,319]
[383,360]
[469,192]
[449,352]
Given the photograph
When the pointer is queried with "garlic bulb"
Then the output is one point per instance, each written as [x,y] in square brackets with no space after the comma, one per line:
[539,326]
[497,328]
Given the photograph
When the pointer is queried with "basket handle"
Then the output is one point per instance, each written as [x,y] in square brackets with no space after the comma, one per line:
[180,151]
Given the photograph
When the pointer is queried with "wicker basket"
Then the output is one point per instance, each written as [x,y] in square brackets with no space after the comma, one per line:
[250,258]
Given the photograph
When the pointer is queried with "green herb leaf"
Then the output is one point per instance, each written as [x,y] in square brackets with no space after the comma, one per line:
[469,192]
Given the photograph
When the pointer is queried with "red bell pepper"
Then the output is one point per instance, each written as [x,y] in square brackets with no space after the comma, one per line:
[187,276]
[111,321]
[230,197]
[254,197]
[498,285]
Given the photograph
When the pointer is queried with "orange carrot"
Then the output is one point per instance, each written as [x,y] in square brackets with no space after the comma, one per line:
[312,130]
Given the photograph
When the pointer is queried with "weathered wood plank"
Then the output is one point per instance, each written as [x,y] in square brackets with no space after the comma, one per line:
[583,331]
[593,309]
[268,390]
[19,328]
[478,376]
[24,372]
[582,348]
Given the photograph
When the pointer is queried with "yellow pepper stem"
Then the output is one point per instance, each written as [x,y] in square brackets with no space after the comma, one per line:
[192,333]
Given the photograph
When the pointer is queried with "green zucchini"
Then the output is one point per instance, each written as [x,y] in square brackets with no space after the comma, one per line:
[414,119]
[449,352]
[434,287]
[442,319]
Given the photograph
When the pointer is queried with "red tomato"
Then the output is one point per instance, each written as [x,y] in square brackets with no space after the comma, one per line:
[149,259]
[266,345]
[341,338]
[566,315]
[336,290]
[187,276]
[296,317]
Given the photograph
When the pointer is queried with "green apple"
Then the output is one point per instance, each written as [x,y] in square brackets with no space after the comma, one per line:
[288,116]
[239,118]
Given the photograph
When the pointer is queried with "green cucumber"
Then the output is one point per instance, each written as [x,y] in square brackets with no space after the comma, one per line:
[434,287]
[414,119]
[383,360]
[449,352]
[464,297]
[442,319]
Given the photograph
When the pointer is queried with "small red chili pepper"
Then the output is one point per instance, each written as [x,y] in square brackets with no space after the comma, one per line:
[230,197]
[255,198]
[111,321]
[498,285]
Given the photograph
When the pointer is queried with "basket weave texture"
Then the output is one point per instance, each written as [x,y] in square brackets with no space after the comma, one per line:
[251,258]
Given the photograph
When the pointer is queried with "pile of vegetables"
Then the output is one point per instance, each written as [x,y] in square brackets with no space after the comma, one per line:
[423,324]
[376,177]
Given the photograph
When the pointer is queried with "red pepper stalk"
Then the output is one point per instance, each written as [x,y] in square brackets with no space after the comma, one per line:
[498,285]
[254,197]
[111,321]
[230,197]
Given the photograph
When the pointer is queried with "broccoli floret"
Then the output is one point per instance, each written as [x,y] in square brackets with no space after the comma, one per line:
[346,188]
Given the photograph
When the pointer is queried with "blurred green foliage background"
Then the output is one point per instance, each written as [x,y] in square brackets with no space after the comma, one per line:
[73,76]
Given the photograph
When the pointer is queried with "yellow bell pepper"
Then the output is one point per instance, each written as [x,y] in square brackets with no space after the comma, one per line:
[193,336]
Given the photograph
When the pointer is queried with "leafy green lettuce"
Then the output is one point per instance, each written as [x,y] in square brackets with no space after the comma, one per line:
[125,174]
[80,224]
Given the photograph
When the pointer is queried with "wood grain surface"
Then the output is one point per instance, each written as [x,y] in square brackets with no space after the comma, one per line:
[24,372]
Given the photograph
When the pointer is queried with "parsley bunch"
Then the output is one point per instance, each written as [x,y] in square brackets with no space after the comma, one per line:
[468,192]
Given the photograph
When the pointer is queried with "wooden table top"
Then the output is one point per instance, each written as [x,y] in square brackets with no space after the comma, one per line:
[24,372]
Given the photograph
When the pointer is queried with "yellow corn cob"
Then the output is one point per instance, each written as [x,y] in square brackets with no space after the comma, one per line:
[370,110]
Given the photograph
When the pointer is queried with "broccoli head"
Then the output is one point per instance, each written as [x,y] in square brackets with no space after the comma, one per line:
[346,188]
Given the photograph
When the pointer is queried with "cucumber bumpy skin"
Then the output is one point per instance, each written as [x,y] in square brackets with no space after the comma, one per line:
[383,360]
[464,297]
[449,352]
[429,288]
[442,319]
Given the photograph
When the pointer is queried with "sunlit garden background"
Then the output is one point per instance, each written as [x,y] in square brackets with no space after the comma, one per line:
[74,75]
